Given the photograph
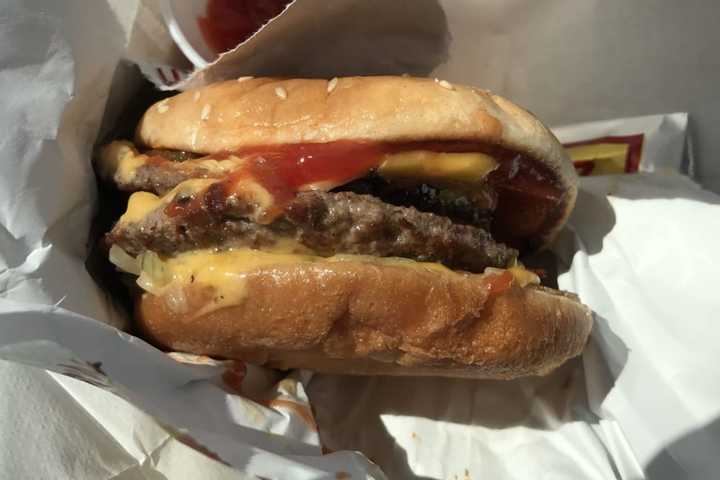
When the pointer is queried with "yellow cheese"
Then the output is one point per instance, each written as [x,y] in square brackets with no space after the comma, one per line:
[520,274]
[437,166]
[216,268]
[120,160]
[250,192]
[220,268]
[142,203]
[189,187]
[139,205]
[523,277]
[225,271]
[219,167]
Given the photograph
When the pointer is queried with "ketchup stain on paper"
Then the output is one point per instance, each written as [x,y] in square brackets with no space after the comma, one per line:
[234,375]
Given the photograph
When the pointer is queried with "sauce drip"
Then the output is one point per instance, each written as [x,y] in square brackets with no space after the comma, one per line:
[499,284]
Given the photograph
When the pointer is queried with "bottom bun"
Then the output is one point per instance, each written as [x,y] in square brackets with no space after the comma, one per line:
[365,317]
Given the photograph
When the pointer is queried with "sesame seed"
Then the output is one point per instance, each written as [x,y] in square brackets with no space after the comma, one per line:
[193,138]
[405,75]
[281,92]
[446,84]
[196,96]
[332,84]
[163,107]
[242,79]
[205,112]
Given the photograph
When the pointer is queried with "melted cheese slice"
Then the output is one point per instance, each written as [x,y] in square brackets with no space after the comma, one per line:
[120,160]
[441,167]
[523,277]
[218,268]
[225,271]
[142,203]
[520,274]
[139,205]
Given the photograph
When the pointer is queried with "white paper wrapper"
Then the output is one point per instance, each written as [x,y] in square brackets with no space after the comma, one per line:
[317,38]
[639,250]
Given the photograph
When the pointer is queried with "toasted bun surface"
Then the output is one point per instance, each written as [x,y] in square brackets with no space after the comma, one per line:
[368,318]
[233,115]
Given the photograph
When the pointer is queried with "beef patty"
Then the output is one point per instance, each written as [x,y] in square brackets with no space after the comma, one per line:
[327,223]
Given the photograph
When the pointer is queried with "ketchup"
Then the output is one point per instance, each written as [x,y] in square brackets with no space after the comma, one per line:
[296,167]
[227,23]
[529,198]
[285,170]
[498,284]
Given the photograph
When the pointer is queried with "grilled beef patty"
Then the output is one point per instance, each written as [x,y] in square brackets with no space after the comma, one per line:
[328,223]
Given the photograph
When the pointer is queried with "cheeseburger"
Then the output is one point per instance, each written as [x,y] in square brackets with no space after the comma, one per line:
[366,225]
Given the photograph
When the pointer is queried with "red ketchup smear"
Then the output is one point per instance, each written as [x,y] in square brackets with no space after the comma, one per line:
[227,23]
[498,284]
[294,167]
[285,170]
[234,375]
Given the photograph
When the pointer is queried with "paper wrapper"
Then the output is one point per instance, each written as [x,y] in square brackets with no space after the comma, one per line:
[639,250]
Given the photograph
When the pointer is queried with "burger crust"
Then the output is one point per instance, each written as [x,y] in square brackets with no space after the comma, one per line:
[235,114]
[365,317]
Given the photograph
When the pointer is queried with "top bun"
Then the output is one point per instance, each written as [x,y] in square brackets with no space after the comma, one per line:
[250,112]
